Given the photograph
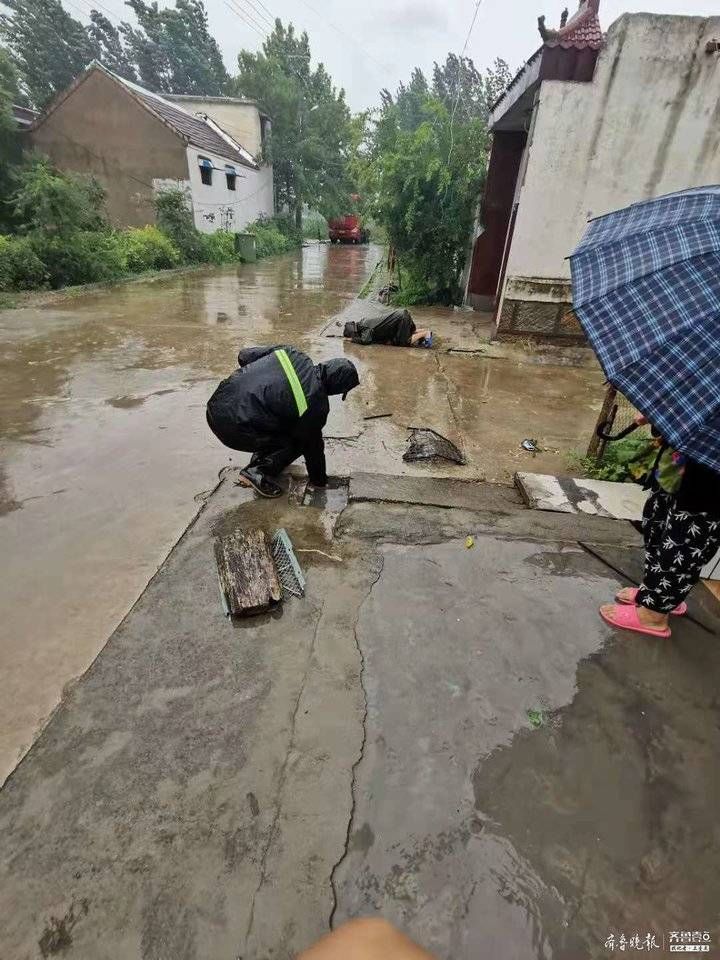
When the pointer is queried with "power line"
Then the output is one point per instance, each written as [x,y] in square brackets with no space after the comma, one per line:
[244,19]
[272,15]
[347,36]
[110,13]
[457,91]
[260,13]
[259,26]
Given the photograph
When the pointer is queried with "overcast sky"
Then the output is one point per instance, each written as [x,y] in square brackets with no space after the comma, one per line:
[378,42]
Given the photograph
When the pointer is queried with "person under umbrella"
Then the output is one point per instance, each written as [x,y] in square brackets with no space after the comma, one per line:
[681,531]
[275,406]
[646,290]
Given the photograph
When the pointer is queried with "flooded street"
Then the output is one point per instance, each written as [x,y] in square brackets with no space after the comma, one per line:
[442,732]
[105,447]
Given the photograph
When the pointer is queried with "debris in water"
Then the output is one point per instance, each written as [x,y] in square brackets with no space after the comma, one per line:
[426,444]
[321,553]
[530,445]
[386,292]
[469,542]
[376,416]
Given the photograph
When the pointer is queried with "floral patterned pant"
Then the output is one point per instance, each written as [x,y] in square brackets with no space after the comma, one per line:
[677,546]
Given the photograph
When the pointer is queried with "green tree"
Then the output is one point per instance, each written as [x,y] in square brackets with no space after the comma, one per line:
[48,46]
[109,47]
[410,101]
[55,203]
[9,140]
[424,184]
[172,48]
[465,91]
[311,132]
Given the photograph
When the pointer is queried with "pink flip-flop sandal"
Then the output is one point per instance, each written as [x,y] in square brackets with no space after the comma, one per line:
[679,610]
[626,618]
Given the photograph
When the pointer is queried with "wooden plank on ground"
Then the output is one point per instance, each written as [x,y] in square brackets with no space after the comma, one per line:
[247,572]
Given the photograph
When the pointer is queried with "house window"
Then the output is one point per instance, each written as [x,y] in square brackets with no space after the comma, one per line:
[206,169]
[230,176]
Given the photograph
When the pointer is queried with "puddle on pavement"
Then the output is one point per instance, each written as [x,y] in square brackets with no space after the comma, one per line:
[309,520]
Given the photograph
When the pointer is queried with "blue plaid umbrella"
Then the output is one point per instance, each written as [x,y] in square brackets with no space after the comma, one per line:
[646,289]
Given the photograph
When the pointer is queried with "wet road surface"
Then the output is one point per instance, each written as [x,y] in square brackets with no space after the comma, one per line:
[450,737]
[104,447]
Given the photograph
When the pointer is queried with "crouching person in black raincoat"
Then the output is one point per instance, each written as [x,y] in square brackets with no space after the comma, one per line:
[275,407]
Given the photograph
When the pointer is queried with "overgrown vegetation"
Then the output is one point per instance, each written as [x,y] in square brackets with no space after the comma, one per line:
[274,235]
[420,162]
[615,464]
[63,238]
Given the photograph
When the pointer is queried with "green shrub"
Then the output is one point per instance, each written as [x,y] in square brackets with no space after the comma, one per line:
[271,237]
[414,288]
[147,248]
[20,266]
[86,256]
[175,219]
[55,202]
[315,227]
[615,464]
[219,247]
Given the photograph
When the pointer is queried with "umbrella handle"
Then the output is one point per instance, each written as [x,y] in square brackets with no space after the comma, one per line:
[600,431]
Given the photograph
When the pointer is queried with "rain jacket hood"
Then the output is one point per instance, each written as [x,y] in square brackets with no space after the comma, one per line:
[338,376]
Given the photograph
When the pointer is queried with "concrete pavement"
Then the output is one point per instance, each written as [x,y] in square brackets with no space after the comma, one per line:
[447,735]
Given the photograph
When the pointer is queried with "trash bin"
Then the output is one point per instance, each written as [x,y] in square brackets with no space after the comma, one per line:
[245,247]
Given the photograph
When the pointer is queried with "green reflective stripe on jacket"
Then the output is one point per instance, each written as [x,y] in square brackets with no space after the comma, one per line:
[295,385]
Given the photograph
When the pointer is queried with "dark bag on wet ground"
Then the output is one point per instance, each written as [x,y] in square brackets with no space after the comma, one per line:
[395,328]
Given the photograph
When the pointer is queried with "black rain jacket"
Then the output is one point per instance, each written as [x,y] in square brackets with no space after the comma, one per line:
[395,327]
[257,400]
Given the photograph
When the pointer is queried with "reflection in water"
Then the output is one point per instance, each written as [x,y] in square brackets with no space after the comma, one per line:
[163,324]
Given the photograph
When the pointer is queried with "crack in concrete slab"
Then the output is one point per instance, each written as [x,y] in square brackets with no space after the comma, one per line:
[272,833]
[361,752]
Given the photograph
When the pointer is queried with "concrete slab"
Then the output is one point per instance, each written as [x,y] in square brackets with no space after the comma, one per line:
[531,780]
[218,790]
[191,795]
[623,501]
[435,491]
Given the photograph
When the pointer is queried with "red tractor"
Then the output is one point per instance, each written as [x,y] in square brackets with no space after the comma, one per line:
[347,229]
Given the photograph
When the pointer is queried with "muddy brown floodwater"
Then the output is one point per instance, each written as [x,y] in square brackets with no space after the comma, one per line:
[104,446]
[105,454]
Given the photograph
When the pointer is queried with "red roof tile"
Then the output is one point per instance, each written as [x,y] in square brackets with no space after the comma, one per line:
[582,30]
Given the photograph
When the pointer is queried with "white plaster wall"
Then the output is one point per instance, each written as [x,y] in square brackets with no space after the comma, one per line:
[648,124]
[252,197]
[240,120]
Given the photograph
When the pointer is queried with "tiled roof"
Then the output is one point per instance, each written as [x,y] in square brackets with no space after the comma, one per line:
[586,33]
[194,129]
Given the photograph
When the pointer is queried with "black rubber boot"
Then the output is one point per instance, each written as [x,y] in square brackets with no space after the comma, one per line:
[263,485]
